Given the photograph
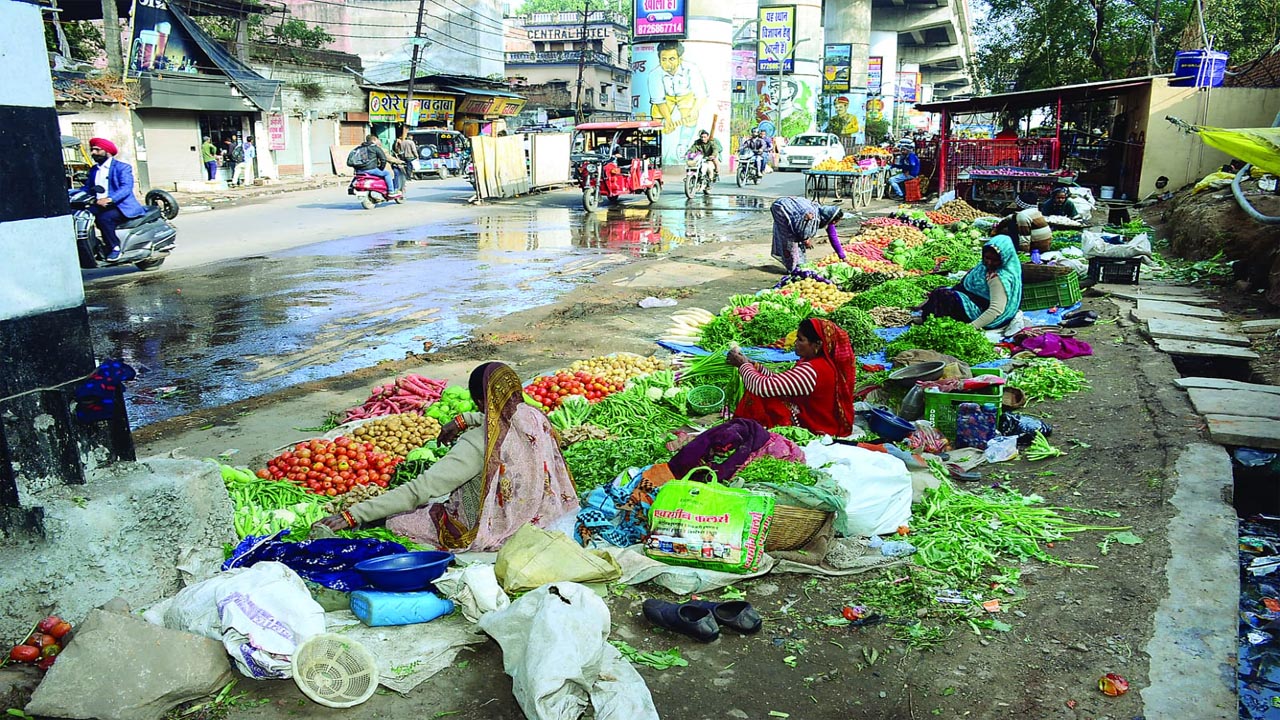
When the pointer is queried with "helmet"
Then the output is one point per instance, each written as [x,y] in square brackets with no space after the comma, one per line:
[906,143]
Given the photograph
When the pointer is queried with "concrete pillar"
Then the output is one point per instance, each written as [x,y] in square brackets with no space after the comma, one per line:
[692,91]
[849,23]
[801,90]
[266,156]
[44,328]
[306,143]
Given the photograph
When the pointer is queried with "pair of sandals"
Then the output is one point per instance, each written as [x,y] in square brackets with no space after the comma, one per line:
[1079,318]
[703,619]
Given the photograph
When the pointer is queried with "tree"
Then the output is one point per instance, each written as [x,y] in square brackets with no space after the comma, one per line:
[554,6]
[292,31]
[83,38]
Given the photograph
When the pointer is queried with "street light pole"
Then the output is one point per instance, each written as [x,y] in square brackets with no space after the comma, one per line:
[413,65]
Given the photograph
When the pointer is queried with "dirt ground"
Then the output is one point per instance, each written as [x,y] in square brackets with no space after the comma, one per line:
[1069,626]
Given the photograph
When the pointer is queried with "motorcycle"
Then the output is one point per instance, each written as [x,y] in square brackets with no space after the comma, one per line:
[699,174]
[145,241]
[749,168]
[374,189]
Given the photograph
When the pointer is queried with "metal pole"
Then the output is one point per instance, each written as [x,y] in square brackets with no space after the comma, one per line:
[413,65]
[582,61]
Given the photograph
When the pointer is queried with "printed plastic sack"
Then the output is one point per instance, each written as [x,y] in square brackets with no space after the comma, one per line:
[534,557]
[708,525]
[260,614]
[975,424]
[879,485]
[1095,244]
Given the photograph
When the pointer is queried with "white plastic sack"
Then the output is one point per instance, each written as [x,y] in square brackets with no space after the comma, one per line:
[1093,244]
[261,614]
[879,485]
[554,647]
[475,589]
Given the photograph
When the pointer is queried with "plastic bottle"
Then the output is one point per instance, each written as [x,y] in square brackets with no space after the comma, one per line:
[1035,255]
[376,608]
[892,548]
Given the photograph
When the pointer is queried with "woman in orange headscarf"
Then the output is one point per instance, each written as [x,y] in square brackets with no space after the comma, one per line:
[816,394]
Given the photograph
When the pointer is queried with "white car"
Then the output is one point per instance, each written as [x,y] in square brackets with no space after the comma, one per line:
[808,149]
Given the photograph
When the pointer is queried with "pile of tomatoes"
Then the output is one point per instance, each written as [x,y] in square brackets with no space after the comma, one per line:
[332,467]
[41,648]
[549,390]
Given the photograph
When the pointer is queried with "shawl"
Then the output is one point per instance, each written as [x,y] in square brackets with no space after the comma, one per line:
[974,283]
[838,349]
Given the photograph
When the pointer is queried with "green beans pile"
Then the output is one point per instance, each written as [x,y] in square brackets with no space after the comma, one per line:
[1048,379]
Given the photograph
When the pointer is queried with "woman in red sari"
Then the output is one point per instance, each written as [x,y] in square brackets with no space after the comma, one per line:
[816,394]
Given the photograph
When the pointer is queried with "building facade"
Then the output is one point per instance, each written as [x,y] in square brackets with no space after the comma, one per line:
[545,51]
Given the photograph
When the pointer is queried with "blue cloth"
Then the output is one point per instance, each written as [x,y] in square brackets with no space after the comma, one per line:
[910,165]
[119,187]
[330,562]
[603,514]
[974,283]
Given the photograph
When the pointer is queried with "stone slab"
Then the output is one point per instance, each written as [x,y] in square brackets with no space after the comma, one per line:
[1179,330]
[1169,290]
[1261,433]
[1149,315]
[1261,326]
[1223,384]
[1177,308]
[1243,403]
[1202,349]
[165,668]
[1134,293]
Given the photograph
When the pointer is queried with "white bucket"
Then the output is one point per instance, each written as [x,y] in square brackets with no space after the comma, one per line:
[1106,192]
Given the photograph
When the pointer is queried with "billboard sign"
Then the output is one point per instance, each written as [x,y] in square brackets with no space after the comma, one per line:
[159,42]
[875,75]
[837,64]
[777,39]
[658,19]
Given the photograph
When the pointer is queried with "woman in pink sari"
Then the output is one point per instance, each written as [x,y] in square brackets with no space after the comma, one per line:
[504,471]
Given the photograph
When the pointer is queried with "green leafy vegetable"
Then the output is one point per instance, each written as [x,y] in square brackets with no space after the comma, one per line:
[907,292]
[946,336]
[860,326]
[1048,379]
[594,463]
[797,435]
[658,660]
[768,469]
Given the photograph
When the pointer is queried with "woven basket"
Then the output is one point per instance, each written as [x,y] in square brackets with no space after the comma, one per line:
[793,527]
[705,399]
[1033,273]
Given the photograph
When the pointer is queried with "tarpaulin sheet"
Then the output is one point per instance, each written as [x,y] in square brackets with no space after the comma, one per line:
[1258,146]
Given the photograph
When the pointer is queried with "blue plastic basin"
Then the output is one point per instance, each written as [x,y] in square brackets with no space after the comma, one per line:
[887,425]
[404,572]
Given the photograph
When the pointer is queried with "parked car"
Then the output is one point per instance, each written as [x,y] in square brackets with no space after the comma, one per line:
[440,152]
[808,149]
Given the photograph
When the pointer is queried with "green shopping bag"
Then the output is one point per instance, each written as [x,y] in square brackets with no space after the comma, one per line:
[708,525]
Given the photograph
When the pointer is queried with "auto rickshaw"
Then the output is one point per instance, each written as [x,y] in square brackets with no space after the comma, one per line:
[612,159]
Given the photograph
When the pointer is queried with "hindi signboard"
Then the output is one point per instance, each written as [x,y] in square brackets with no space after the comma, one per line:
[776,39]
[658,19]
[875,75]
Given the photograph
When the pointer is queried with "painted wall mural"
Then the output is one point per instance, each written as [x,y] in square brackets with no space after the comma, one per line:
[686,86]
[798,99]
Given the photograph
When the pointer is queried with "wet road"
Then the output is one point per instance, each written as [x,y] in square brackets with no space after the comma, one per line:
[216,334]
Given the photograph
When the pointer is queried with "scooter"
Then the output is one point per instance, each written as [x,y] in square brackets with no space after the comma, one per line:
[374,190]
[145,241]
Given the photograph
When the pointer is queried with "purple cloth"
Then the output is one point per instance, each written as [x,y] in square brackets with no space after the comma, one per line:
[1055,346]
[732,442]
[835,241]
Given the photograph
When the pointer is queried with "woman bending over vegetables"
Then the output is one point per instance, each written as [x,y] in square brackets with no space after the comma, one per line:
[504,471]
[990,294]
[816,394]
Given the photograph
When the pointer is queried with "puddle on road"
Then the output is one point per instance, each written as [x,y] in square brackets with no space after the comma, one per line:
[215,335]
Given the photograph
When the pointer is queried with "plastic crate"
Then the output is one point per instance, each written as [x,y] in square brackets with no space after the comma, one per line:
[940,408]
[1063,292]
[1121,271]
[911,189]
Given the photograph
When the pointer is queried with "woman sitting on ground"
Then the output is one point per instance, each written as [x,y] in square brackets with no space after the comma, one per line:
[504,471]
[990,294]
[816,394]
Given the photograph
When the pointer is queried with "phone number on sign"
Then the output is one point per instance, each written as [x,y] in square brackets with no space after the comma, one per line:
[674,27]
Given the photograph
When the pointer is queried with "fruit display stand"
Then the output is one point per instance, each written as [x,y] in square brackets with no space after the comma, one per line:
[994,187]
[857,185]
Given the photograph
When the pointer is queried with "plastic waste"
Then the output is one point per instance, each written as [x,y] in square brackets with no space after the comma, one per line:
[1035,256]
[1001,448]
[1248,457]
[892,548]
[653,302]
[376,608]
[1024,427]
[912,408]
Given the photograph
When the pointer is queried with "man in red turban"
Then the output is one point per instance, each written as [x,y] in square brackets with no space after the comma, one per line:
[110,181]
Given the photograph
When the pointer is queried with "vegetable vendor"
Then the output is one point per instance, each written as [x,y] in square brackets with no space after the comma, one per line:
[907,165]
[1060,203]
[618,512]
[990,294]
[1033,230]
[795,221]
[816,394]
[504,471]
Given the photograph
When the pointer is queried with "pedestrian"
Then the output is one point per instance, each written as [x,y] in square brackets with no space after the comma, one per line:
[230,151]
[243,154]
[407,150]
[110,181]
[209,157]
[795,221]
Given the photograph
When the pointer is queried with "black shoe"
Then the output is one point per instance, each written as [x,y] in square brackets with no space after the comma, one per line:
[1081,312]
[736,614]
[1078,321]
[696,622]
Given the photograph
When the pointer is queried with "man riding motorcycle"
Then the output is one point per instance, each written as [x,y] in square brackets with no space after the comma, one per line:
[110,181]
[709,149]
[759,148]
[377,166]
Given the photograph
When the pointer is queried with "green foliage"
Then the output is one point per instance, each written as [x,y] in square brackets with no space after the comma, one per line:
[769,469]
[947,336]
[877,131]
[293,31]
[906,292]
[84,40]
[551,6]
[597,462]
[860,326]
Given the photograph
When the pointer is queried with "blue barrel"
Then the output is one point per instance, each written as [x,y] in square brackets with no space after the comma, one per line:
[1199,68]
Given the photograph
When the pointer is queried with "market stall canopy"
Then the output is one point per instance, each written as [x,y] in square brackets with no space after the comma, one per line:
[487,101]
[1257,146]
[1039,98]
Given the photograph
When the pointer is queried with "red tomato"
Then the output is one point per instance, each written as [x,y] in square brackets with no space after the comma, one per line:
[24,653]
[264,474]
[47,624]
[46,663]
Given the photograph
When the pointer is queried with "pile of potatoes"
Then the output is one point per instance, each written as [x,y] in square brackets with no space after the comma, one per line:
[824,296]
[357,494]
[619,368]
[398,434]
[961,210]
[882,236]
